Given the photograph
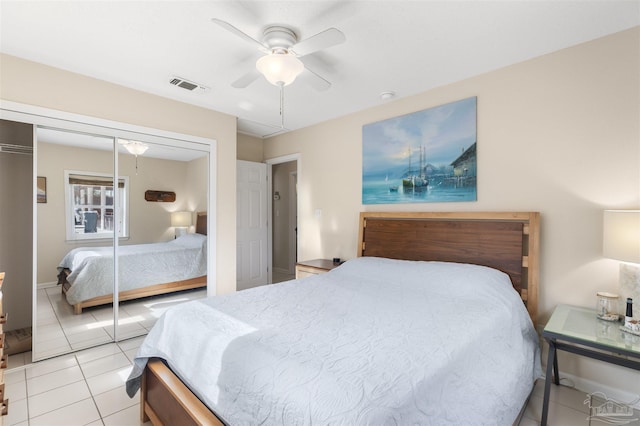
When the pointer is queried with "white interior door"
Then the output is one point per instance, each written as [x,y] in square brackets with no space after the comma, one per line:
[252,245]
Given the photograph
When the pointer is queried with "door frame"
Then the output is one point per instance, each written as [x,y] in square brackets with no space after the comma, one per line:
[297,157]
[293,213]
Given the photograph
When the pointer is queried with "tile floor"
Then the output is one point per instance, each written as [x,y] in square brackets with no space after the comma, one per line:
[567,407]
[87,388]
[60,331]
[83,388]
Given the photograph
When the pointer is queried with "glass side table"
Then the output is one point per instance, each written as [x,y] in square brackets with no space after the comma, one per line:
[579,331]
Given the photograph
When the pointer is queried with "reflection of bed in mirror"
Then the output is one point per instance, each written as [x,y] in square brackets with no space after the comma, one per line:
[86,274]
[382,339]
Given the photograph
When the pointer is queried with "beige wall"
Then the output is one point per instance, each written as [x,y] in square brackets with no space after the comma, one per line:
[197,178]
[558,134]
[149,222]
[250,148]
[36,84]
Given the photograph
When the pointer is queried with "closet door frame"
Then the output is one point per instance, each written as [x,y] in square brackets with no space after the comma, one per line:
[62,120]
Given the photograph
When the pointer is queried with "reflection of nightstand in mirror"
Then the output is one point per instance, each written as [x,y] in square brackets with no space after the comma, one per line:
[314,267]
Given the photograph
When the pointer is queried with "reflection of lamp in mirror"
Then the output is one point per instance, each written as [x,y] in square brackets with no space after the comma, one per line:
[181,221]
[621,241]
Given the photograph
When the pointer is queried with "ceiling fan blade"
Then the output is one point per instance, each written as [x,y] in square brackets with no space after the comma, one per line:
[314,80]
[246,79]
[323,40]
[227,26]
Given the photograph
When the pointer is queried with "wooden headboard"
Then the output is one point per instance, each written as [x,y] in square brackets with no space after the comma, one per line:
[201,223]
[507,241]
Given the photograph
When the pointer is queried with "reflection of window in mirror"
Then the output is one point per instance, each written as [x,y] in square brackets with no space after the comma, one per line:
[90,207]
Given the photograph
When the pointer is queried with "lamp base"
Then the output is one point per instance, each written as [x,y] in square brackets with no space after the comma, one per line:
[630,287]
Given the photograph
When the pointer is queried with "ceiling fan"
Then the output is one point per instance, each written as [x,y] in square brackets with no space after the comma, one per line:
[281,64]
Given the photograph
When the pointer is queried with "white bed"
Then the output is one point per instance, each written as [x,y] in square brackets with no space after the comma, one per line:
[88,271]
[407,347]
[375,341]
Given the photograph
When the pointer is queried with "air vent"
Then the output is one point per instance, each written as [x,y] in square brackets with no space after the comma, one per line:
[188,85]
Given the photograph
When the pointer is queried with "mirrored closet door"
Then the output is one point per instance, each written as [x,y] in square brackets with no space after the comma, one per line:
[75,213]
[121,237]
[163,262]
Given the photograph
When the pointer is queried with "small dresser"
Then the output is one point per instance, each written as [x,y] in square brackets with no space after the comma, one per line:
[314,267]
[4,358]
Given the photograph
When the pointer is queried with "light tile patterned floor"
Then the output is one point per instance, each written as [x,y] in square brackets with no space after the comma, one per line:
[60,331]
[84,388]
[566,407]
[87,388]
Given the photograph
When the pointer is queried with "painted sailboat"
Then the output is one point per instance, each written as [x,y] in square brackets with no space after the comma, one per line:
[392,188]
[416,181]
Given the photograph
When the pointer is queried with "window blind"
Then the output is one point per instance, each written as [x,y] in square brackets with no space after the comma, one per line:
[94,180]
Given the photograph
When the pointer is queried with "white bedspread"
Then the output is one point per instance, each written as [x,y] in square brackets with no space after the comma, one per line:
[375,341]
[139,266]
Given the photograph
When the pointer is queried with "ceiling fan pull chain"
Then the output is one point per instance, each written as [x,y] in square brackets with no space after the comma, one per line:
[282,106]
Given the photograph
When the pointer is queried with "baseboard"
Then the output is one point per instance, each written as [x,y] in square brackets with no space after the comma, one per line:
[590,386]
[47,285]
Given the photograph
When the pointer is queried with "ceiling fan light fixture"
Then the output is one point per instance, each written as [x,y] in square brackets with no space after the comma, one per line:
[280,68]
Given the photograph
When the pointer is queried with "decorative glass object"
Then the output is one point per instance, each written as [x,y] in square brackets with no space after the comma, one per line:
[607,306]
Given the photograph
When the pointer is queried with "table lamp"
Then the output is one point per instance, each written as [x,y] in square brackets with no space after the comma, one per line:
[181,221]
[621,241]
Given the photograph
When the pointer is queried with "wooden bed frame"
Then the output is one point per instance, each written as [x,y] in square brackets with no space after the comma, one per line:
[153,290]
[505,241]
[139,293]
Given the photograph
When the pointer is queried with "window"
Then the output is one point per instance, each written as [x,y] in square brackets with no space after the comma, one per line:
[90,209]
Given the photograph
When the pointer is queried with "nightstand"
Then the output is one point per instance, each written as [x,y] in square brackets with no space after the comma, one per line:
[579,331]
[314,267]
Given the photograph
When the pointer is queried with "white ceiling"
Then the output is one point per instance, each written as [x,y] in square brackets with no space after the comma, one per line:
[403,46]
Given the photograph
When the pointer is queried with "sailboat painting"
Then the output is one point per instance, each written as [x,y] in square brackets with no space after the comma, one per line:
[426,156]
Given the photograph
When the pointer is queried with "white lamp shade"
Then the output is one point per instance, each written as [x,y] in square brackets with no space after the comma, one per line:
[621,232]
[181,219]
[280,68]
